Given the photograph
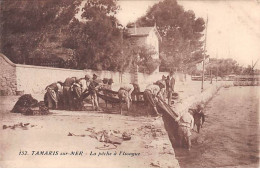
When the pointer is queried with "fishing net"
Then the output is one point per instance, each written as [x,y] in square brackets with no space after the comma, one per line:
[28,105]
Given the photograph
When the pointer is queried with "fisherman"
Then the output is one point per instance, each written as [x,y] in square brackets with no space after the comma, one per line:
[125,95]
[85,82]
[109,87]
[60,95]
[164,80]
[105,84]
[94,85]
[105,87]
[135,94]
[67,97]
[76,91]
[167,85]
[52,94]
[164,94]
[87,78]
[199,117]
[85,87]
[170,87]
[110,82]
[186,123]
[153,93]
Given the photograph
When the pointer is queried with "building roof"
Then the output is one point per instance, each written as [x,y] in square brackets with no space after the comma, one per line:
[143,31]
[140,30]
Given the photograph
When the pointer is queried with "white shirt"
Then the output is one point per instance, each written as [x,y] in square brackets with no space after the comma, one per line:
[59,87]
[186,120]
[155,89]
[127,87]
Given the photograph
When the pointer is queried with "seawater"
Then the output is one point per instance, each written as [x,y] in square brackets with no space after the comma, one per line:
[230,135]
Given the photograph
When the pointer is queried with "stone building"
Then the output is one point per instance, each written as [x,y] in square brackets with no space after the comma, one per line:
[147,36]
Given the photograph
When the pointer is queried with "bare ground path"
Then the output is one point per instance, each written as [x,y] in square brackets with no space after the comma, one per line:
[149,145]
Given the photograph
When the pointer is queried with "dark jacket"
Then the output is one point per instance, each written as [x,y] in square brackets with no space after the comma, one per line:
[199,115]
[68,82]
[53,86]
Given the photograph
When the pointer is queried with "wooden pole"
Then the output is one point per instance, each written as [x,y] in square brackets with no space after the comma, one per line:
[217,66]
[136,80]
[204,56]
[210,75]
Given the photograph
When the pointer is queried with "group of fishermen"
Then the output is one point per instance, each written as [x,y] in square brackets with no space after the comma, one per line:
[69,95]
[159,90]
[162,90]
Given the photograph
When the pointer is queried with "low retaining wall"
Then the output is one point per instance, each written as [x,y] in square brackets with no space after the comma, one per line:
[171,125]
[201,98]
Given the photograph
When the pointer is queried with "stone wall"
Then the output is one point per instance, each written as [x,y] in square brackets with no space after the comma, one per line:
[7,76]
[33,79]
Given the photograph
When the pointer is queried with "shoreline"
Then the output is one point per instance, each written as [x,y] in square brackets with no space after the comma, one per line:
[150,136]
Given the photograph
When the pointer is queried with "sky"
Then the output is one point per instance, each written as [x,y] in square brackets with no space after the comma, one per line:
[233,25]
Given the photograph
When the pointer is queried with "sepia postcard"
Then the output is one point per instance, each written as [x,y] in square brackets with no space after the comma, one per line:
[129,83]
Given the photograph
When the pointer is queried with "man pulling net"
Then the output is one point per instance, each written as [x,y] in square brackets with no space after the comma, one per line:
[53,95]
[151,94]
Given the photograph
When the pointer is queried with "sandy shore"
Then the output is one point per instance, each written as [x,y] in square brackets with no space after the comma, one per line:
[149,145]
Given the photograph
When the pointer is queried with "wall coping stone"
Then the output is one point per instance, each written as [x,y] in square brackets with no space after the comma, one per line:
[7,60]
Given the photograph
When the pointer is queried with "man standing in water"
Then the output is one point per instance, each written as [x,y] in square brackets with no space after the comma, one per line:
[186,123]
[199,117]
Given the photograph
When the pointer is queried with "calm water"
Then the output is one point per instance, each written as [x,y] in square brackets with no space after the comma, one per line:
[230,136]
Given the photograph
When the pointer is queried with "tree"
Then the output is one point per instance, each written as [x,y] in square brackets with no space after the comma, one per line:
[143,58]
[26,24]
[48,29]
[223,67]
[97,41]
[181,33]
